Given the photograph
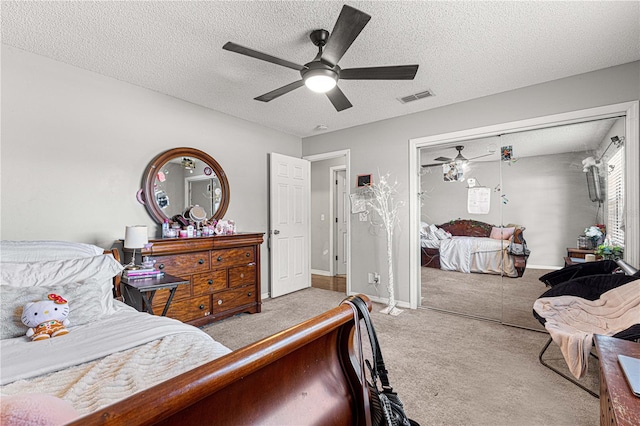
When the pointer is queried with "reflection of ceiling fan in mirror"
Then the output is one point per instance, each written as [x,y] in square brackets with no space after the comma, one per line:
[461,158]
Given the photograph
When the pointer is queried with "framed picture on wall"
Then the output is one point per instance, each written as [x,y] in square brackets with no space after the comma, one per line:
[364,180]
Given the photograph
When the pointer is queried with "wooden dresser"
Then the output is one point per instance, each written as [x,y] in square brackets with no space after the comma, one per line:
[223,273]
[618,405]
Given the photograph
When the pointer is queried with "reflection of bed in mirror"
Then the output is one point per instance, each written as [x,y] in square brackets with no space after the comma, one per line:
[472,246]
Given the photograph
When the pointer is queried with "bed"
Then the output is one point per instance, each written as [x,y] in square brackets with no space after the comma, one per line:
[471,246]
[120,366]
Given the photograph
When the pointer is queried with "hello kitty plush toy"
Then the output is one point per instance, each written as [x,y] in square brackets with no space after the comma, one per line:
[46,318]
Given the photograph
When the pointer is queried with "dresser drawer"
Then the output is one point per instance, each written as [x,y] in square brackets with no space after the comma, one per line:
[242,275]
[190,309]
[230,257]
[182,265]
[209,282]
[229,299]
[160,299]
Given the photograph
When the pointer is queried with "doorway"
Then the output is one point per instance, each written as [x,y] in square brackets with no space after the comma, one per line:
[330,243]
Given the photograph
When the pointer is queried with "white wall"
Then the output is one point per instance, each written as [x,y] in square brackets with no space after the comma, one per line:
[76,145]
[384,146]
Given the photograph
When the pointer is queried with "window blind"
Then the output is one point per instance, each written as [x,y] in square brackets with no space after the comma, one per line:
[615,198]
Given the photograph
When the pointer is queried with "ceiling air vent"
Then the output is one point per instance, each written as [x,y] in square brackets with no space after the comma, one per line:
[416,96]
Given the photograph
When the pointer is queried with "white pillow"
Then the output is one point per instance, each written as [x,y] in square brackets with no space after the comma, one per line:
[96,268]
[442,234]
[96,271]
[44,251]
[85,304]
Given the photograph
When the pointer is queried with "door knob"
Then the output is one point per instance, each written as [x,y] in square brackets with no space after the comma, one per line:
[276,232]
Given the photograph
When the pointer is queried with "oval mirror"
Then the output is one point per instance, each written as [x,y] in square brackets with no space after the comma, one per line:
[185,181]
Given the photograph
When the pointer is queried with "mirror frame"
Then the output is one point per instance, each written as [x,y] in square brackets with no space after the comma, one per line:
[152,169]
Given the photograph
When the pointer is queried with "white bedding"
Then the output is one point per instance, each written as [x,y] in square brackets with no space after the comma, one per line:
[475,254]
[102,362]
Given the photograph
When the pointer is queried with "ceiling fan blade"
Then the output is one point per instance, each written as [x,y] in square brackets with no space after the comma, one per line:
[338,99]
[347,28]
[232,47]
[280,91]
[397,72]
[445,159]
[431,165]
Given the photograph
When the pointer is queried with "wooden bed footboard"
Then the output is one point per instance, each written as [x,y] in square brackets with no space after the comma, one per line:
[307,374]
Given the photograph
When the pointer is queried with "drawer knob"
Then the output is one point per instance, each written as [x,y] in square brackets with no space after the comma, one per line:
[201,307]
[220,302]
[201,261]
[248,254]
[161,266]
[219,258]
[210,282]
[241,275]
[249,294]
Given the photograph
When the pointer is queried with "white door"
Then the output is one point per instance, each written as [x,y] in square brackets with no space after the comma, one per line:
[341,216]
[290,230]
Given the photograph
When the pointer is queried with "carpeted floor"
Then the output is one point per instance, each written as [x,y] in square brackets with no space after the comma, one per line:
[447,369]
[504,299]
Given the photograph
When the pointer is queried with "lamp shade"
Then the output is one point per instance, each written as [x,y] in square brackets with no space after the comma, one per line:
[135,237]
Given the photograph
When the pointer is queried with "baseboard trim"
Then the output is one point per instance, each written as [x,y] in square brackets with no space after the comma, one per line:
[384,300]
[543,267]
[320,272]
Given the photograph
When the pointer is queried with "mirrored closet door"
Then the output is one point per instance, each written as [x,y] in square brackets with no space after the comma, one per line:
[536,182]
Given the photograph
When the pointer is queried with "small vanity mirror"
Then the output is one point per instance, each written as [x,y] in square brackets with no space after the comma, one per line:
[185,181]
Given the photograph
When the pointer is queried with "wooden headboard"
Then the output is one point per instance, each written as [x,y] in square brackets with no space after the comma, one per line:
[116,280]
[467,228]
[475,228]
[307,373]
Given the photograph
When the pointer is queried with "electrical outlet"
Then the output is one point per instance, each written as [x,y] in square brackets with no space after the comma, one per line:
[374,278]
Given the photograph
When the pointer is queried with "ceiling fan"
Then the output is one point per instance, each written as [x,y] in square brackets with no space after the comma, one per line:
[322,73]
[459,157]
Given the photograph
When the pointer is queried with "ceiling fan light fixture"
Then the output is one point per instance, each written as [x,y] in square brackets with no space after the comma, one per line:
[320,80]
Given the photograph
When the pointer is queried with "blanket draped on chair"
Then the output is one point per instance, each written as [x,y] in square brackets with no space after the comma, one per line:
[572,321]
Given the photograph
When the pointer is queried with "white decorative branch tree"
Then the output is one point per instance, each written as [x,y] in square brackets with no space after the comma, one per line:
[382,202]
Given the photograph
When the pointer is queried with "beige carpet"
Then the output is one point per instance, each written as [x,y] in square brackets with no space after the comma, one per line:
[508,300]
[447,369]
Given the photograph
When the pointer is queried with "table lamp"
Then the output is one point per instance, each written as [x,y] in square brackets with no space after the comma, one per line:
[135,237]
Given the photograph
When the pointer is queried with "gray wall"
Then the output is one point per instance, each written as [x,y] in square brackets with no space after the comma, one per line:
[320,229]
[384,146]
[80,143]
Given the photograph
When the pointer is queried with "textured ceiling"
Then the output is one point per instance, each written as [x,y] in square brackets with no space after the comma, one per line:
[465,50]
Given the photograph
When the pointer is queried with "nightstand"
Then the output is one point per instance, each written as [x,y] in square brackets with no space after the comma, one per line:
[576,255]
[139,292]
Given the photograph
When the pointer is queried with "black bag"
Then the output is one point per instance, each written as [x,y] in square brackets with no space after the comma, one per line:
[386,407]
